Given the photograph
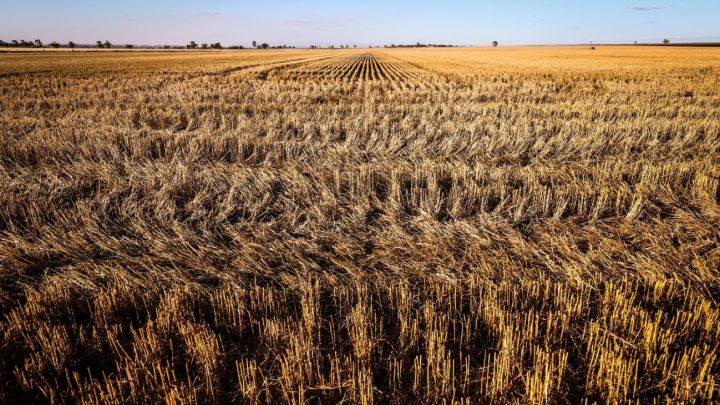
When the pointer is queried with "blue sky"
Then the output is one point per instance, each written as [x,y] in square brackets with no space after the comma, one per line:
[368,22]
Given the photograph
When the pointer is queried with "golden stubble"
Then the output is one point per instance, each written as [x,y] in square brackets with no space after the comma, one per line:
[495,225]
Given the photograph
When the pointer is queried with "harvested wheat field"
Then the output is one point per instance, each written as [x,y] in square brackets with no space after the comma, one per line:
[474,225]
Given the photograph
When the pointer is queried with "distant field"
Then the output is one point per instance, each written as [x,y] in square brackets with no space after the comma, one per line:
[470,225]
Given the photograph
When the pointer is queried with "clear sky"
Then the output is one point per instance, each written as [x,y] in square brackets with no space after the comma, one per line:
[366,22]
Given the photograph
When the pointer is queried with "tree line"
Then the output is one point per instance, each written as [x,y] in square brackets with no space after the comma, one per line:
[418,45]
[107,45]
[32,44]
[217,45]
[192,45]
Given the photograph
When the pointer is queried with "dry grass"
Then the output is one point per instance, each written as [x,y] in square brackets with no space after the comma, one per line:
[511,225]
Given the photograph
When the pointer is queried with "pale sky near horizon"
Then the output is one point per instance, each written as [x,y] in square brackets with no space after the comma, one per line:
[368,22]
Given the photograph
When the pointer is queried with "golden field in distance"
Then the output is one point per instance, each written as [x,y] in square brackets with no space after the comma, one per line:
[469,225]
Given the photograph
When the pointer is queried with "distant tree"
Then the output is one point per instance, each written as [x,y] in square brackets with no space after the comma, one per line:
[108,44]
[71,44]
[354,46]
[635,42]
[15,42]
[204,46]
[254,44]
[666,41]
[129,46]
[99,44]
[216,45]
[264,46]
[166,47]
[495,43]
[54,44]
[38,43]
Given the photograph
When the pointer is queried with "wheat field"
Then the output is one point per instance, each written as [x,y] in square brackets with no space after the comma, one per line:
[515,225]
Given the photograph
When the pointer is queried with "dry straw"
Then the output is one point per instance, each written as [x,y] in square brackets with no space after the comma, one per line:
[528,225]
